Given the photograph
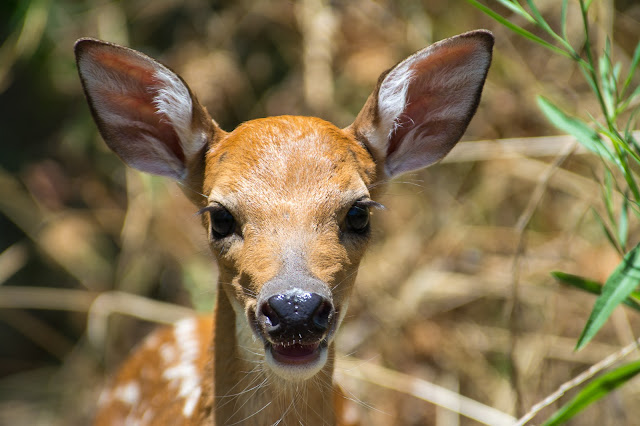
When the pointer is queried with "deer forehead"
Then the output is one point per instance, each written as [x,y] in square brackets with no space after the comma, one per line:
[296,170]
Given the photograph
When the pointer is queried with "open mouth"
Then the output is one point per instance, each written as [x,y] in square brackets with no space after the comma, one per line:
[295,354]
[296,361]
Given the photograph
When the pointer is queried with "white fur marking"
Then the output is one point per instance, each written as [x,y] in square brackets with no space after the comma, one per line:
[184,373]
[191,402]
[129,393]
[168,353]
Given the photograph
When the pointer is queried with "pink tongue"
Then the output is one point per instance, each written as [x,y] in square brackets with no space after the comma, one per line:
[295,353]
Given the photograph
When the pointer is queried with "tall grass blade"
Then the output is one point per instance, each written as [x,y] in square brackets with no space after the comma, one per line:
[620,284]
[595,390]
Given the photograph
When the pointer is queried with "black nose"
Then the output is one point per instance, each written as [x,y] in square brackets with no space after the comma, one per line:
[296,315]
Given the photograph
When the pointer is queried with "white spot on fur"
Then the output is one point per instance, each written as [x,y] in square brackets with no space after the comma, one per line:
[184,373]
[191,402]
[129,393]
[105,397]
[152,341]
[168,353]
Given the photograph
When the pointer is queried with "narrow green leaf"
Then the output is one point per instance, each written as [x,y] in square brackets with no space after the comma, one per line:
[518,30]
[630,99]
[629,129]
[622,144]
[587,137]
[604,64]
[563,19]
[607,232]
[599,387]
[632,69]
[607,194]
[629,177]
[591,286]
[617,69]
[623,223]
[620,284]
[542,23]
[517,9]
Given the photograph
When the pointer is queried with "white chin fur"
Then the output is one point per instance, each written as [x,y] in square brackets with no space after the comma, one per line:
[297,372]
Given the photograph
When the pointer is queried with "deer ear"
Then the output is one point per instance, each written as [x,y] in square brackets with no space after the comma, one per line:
[423,105]
[145,112]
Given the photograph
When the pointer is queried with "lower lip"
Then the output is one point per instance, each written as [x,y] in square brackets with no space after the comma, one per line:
[295,354]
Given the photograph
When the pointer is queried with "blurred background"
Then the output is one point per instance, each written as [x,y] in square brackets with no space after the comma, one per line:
[455,289]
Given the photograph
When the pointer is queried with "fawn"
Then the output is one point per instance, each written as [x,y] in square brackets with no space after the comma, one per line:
[286,204]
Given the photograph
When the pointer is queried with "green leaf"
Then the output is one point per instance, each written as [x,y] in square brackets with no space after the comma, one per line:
[519,30]
[607,232]
[630,99]
[563,19]
[623,223]
[632,68]
[542,23]
[608,88]
[591,286]
[620,284]
[595,390]
[587,137]
[623,145]
[516,8]
[607,193]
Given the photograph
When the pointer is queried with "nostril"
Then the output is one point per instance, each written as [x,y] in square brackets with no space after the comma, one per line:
[270,315]
[322,315]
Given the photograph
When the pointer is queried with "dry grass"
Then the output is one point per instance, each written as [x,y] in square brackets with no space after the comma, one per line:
[455,291]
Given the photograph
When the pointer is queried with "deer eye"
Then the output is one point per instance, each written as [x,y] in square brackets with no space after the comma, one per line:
[358,218]
[222,222]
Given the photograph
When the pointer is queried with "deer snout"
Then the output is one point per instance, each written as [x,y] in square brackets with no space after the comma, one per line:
[296,325]
[296,316]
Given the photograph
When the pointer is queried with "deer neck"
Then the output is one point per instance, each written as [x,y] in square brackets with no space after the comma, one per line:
[244,391]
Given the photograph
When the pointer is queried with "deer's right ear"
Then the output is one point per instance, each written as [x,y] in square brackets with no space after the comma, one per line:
[423,105]
[145,112]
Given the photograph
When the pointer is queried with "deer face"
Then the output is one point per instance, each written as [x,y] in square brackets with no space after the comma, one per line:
[288,219]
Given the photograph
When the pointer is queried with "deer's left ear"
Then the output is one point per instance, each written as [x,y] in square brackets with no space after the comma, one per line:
[422,106]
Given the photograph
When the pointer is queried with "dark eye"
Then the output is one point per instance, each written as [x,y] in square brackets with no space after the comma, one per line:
[358,218]
[222,222]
